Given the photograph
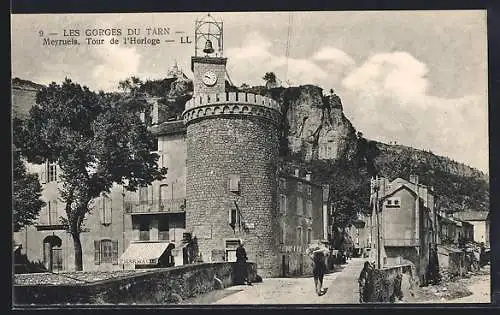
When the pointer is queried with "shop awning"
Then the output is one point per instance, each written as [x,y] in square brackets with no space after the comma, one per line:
[146,253]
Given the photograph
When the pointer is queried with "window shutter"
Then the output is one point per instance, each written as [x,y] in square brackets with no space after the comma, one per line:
[49,212]
[97,252]
[234,183]
[150,194]
[108,208]
[58,173]
[100,209]
[115,252]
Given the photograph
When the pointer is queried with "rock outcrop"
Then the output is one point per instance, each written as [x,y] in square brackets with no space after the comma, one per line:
[315,126]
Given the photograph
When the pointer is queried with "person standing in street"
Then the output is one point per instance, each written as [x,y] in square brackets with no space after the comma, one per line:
[364,282]
[241,261]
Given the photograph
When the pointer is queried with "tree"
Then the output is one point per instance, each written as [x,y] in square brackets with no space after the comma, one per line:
[270,79]
[26,202]
[96,139]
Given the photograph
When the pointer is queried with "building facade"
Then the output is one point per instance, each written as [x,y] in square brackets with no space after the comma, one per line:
[302,219]
[406,223]
[481,223]
[223,185]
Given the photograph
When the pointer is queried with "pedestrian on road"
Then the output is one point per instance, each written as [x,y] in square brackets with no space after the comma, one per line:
[241,264]
[365,285]
[318,254]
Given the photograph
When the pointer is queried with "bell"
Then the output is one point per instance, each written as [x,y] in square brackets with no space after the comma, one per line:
[208,47]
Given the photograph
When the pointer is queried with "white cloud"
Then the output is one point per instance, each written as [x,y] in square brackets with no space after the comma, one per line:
[397,74]
[334,55]
[254,58]
[389,100]
[115,63]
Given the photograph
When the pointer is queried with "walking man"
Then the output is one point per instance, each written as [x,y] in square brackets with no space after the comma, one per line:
[318,254]
[241,260]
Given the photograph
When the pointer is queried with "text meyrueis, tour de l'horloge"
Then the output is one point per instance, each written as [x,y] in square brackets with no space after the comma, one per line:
[99,36]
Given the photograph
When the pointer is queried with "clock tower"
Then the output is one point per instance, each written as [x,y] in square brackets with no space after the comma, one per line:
[232,155]
[208,64]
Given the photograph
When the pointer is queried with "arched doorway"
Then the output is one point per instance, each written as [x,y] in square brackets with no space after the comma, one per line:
[52,253]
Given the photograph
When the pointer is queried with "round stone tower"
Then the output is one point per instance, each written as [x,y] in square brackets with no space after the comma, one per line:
[231,167]
[231,191]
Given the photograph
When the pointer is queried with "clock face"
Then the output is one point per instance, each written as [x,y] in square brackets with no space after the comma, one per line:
[209,78]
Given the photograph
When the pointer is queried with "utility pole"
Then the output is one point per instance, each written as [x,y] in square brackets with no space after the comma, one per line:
[376,187]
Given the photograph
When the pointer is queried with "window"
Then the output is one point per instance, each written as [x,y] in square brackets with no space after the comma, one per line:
[282,204]
[299,187]
[309,206]
[163,228]
[155,144]
[283,233]
[282,184]
[53,215]
[309,236]
[234,183]
[299,235]
[394,202]
[143,195]
[165,192]
[300,205]
[309,190]
[106,251]
[105,209]
[52,172]
[143,229]
[233,217]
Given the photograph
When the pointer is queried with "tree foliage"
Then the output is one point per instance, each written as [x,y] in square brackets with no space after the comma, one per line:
[97,139]
[26,202]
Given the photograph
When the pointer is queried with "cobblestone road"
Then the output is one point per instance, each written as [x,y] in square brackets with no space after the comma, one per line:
[342,289]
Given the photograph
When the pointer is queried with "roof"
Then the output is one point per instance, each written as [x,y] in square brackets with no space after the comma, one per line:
[169,128]
[394,189]
[447,220]
[400,183]
[471,215]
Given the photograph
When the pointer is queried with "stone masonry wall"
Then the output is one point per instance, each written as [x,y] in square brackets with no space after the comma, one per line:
[392,284]
[218,147]
[157,286]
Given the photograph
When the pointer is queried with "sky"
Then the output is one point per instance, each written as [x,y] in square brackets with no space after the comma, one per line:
[417,78]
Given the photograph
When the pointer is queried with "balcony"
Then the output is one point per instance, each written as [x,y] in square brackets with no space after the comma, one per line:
[156,206]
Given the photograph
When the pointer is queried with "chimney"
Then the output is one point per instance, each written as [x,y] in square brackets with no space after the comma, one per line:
[155,113]
[308,176]
[297,172]
[414,179]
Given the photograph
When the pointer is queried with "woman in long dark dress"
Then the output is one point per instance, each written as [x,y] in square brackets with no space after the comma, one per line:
[365,285]
[241,264]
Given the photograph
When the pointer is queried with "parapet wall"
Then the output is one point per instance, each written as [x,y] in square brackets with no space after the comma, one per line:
[391,284]
[158,286]
[206,105]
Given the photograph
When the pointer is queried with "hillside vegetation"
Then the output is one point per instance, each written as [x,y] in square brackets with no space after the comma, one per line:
[312,118]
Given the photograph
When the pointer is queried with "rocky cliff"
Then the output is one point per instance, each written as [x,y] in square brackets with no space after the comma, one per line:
[315,126]
[23,96]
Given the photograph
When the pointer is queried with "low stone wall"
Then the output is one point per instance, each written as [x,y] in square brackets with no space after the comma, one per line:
[391,283]
[158,286]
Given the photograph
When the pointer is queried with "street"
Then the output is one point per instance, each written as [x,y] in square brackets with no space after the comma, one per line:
[342,288]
